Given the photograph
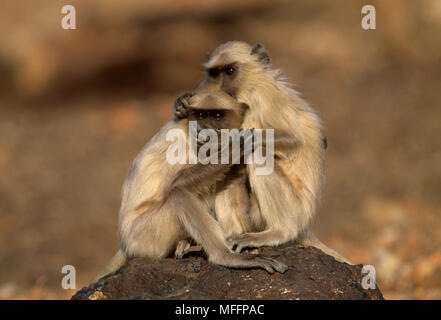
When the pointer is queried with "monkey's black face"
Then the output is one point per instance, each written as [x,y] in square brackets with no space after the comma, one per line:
[207,115]
[225,75]
[233,67]
[227,70]
[214,118]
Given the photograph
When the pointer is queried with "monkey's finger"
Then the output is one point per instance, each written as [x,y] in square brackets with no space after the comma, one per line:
[183,100]
[234,247]
[240,247]
[230,243]
[187,95]
[180,111]
[181,114]
[181,104]
[236,243]
[183,97]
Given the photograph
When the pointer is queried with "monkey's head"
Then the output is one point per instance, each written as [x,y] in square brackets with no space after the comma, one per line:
[212,108]
[236,67]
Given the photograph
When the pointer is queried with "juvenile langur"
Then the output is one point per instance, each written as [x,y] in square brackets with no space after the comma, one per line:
[232,203]
[165,205]
[282,203]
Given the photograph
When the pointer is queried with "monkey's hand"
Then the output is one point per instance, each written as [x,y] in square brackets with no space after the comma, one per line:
[180,106]
[246,240]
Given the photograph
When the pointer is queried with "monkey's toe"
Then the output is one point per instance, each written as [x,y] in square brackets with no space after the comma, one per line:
[279,266]
[182,249]
[264,263]
[273,264]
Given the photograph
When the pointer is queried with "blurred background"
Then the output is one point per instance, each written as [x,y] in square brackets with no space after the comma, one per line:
[76,106]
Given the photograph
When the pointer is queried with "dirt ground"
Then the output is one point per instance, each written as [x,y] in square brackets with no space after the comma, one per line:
[77,105]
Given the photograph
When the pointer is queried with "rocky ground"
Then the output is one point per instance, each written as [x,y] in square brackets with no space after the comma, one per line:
[312,275]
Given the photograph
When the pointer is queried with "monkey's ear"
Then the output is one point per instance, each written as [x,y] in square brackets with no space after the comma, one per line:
[262,55]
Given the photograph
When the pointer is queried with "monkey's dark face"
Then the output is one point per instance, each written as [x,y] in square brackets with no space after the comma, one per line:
[214,118]
[231,65]
[212,108]
[227,76]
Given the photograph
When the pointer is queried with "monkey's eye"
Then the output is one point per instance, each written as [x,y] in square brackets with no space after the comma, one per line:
[229,70]
[213,72]
[217,114]
[201,114]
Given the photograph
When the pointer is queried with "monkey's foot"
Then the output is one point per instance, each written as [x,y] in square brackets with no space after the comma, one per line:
[236,260]
[181,104]
[182,249]
[270,264]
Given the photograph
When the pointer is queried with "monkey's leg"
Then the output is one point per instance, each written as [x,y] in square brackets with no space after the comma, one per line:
[205,230]
[232,206]
[258,223]
[284,210]
[155,233]
[307,238]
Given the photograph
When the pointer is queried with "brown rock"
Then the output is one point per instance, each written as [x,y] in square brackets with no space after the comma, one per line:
[312,275]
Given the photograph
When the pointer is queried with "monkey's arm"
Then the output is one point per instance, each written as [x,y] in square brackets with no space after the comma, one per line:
[196,176]
[284,141]
[279,141]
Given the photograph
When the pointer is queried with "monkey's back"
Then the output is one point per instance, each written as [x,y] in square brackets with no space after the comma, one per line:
[150,173]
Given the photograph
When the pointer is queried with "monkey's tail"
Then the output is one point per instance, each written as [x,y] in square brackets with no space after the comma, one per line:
[310,240]
[118,260]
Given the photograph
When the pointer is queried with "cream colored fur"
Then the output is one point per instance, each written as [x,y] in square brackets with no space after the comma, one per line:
[286,199]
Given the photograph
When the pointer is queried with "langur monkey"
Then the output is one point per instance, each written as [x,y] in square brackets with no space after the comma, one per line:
[282,203]
[164,206]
